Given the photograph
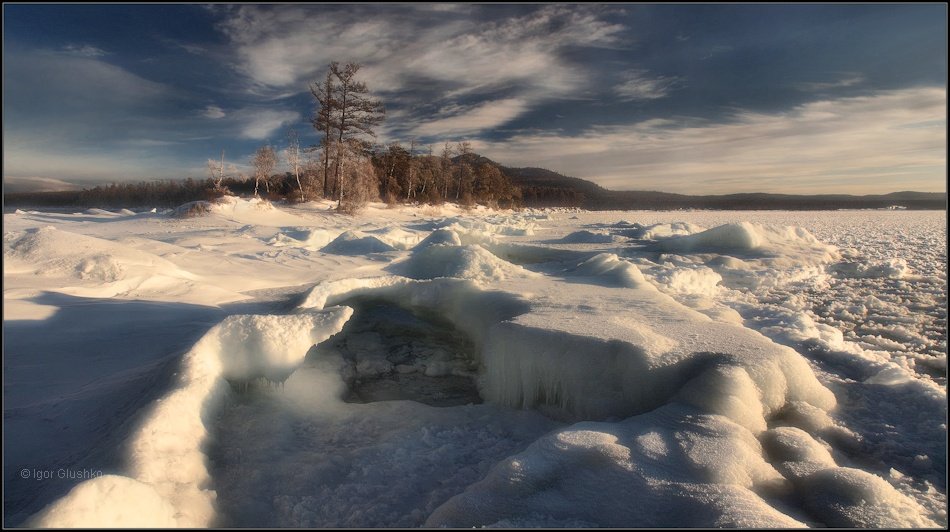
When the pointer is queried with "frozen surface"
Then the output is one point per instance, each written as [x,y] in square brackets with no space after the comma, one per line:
[240,363]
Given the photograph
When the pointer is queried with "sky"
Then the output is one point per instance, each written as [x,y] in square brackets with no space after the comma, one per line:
[705,98]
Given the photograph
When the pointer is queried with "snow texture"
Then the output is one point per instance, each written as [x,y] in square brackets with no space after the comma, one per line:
[434,367]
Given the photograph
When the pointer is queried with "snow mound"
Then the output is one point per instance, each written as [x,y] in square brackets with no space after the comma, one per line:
[311,239]
[662,231]
[357,243]
[466,262]
[105,268]
[497,225]
[193,209]
[613,270]
[440,236]
[169,476]
[843,497]
[887,269]
[52,252]
[686,469]
[99,212]
[615,362]
[269,347]
[753,239]
[588,237]
[255,211]
[109,501]
[700,281]
[397,237]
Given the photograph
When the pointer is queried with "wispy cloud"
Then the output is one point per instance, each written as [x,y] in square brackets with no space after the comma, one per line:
[848,80]
[262,124]
[84,50]
[422,57]
[892,140]
[213,112]
[640,85]
[456,120]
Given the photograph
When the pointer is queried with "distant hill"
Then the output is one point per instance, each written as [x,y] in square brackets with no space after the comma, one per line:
[542,187]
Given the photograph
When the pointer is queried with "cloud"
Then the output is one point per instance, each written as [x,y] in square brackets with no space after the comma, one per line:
[887,141]
[213,112]
[84,50]
[13,184]
[638,85]
[421,59]
[849,80]
[456,120]
[261,124]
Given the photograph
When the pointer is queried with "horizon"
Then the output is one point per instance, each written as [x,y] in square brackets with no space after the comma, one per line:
[684,99]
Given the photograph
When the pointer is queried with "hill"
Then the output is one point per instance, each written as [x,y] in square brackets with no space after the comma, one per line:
[542,187]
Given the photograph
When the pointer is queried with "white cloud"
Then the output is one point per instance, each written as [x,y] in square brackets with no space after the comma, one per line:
[14,184]
[84,50]
[849,80]
[455,120]
[283,50]
[214,112]
[262,124]
[892,140]
[639,85]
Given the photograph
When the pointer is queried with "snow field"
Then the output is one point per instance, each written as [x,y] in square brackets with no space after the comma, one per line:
[696,371]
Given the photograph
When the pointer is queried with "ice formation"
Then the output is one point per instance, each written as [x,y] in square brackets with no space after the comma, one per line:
[753,374]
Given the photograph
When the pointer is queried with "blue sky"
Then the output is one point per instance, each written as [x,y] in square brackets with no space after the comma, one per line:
[679,98]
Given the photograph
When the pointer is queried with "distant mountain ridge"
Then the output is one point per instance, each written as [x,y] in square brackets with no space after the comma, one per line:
[543,187]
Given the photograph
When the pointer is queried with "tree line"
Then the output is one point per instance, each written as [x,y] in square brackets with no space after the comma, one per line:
[349,167]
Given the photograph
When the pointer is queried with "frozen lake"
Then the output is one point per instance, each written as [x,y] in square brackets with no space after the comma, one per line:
[286,366]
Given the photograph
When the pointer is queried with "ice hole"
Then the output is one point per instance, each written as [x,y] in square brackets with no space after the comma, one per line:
[392,353]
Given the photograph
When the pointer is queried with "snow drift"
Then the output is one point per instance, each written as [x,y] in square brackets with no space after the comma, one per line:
[168,481]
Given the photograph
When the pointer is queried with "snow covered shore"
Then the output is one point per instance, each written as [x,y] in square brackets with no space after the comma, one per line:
[260,365]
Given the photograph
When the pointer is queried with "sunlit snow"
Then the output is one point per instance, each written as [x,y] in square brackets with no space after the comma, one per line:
[246,364]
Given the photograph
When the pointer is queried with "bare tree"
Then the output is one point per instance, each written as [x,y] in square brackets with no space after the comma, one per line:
[325,119]
[409,185]
[357,114]
[293,158]
[358,184]
[311,170]
[464,149]
[264,163]
[217,171]
[445,167]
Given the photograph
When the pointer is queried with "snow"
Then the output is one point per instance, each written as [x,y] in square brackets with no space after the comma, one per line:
[588,237]
[273,365]
[357,243]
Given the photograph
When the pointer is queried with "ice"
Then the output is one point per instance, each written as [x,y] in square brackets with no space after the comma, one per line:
[272,347]
[779,369]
